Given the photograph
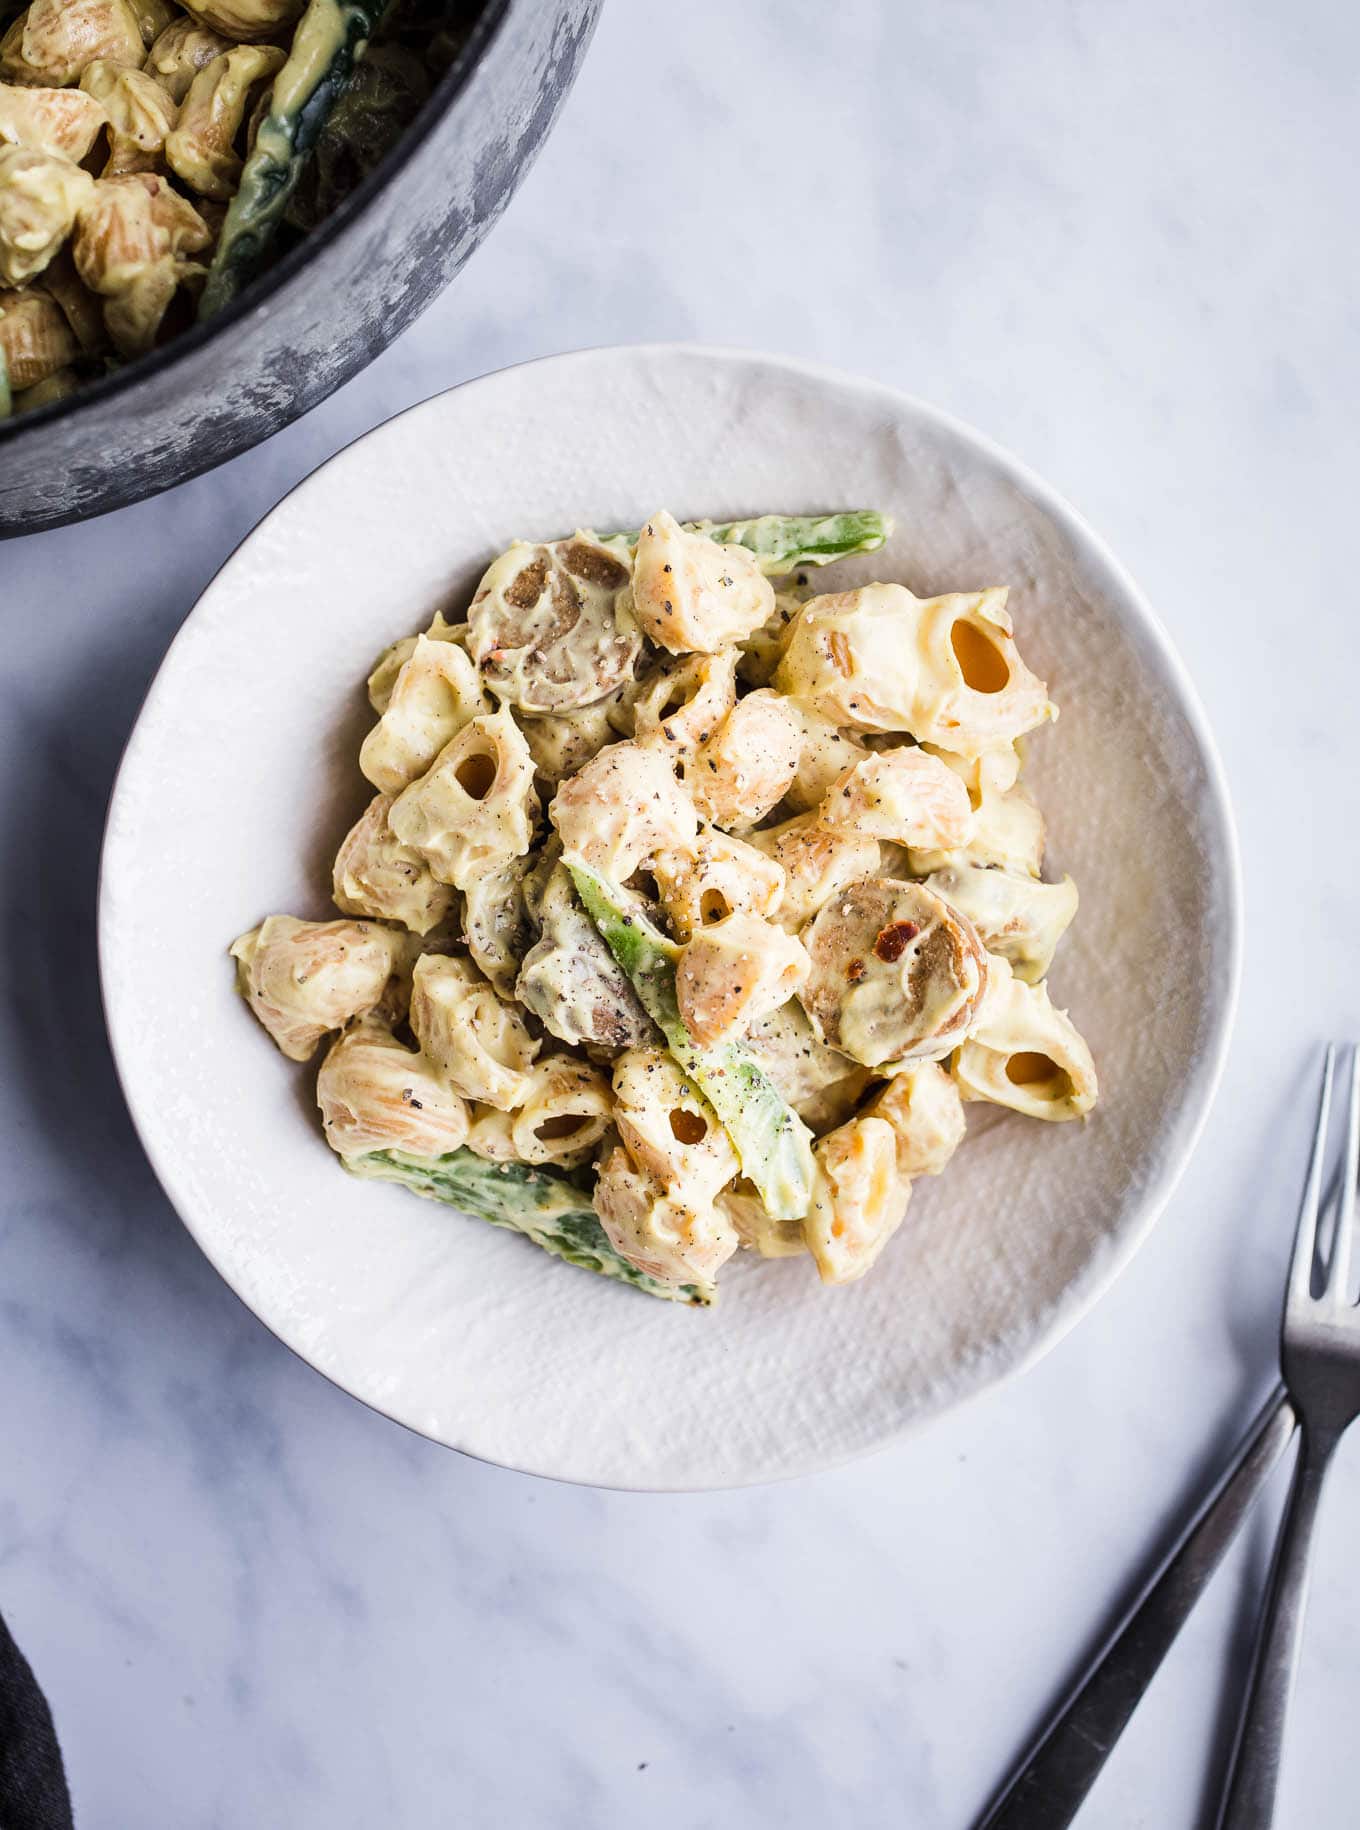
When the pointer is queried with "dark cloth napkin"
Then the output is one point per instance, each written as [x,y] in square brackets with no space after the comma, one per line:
[33,1793]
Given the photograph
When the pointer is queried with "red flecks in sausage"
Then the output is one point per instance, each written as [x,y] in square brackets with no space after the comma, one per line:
[894,940]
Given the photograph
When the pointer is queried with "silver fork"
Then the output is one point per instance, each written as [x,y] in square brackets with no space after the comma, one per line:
[1320,1355]
[1321,1358]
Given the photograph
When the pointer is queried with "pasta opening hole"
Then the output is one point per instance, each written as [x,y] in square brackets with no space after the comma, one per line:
[714,906]
[475,775]
[645,884]
[565,1124]
[984,669]
[1028,1069]
[688,1127]
[674,702]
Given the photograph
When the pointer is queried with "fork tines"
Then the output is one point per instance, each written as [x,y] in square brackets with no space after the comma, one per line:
[1335,1291]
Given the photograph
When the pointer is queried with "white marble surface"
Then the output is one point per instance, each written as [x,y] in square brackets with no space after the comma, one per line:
[1118,241]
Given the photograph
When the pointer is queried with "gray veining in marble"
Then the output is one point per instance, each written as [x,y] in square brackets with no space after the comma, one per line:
[1119,240]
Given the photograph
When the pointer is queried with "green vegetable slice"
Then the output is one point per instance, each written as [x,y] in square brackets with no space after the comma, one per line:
[782,543]
[545,1207]
[773,1143]
[331,37]
[6,398]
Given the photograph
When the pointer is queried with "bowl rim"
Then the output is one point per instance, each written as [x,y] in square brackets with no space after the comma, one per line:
[1085,1292]
[260,291]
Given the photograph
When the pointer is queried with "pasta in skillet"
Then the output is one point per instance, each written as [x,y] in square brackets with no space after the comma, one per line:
[688,917]
[155,157]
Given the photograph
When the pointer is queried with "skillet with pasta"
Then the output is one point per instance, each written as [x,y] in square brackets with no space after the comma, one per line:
[154,157]
[691,909]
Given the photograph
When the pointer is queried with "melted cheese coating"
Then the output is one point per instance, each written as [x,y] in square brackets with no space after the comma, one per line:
[305,978]
[817,806]
[476,806]
[944,669]
[376,1095]
[375,874]
[1025,1054]
[858,1199]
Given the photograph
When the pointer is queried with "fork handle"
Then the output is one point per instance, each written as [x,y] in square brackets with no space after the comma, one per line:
[1254,1770]
[1047,1790]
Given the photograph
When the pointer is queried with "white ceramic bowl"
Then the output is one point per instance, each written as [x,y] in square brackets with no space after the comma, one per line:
[241,778]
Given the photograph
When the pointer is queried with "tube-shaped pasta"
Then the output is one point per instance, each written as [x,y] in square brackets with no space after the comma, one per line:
[944,669]
[825,753]
[1008,830]
[676,1239]
[383,678]
[435,693]
[82,309]
[897,974]
[179,52]
[693,596]
[816,863]
[475,1041]
[141,115]
[35,339]
[683,699]
[40,197]
[64,122]
[1025,1054]
[551,626]
[668,1127]
[746,766]
[858,1199]
[375,874]
[202,148]
[386,669]
[734,971]
[492,1134]
[43,393]
[130,246]
[624,811]
[245,21]
[1015,915]
[923,1107]
[903,796]
[566,1111]
[561,743]
[756,1228]
[50,44]
[997,769]
[476,805]
[718,876]
[305,978]
[761,650]
[374,1094]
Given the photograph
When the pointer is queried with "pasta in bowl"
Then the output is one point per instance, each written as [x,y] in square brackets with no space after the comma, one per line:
[463,1330]
[692,907]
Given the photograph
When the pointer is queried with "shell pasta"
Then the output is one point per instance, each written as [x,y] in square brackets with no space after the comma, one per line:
[156,156]
[693,908]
